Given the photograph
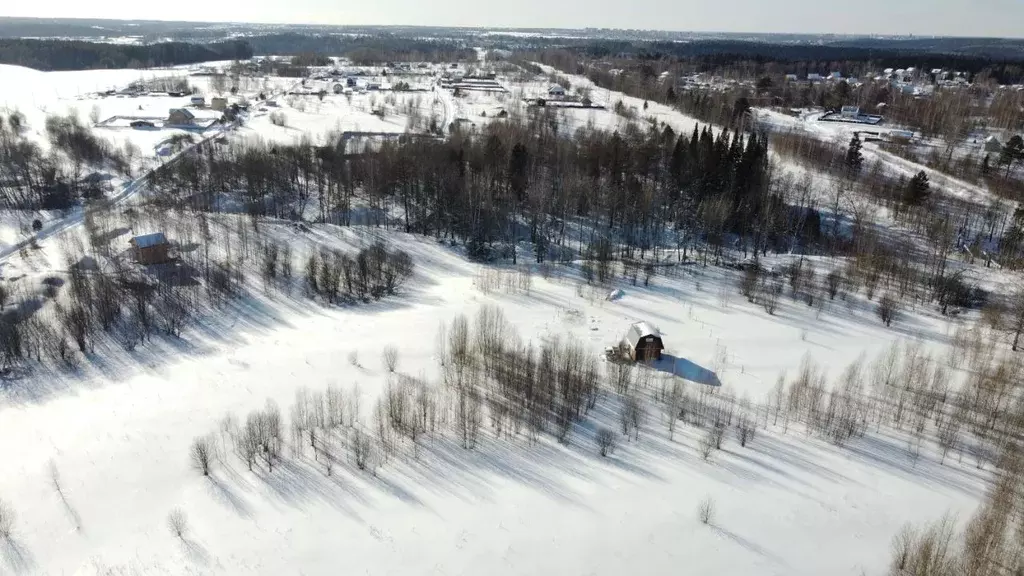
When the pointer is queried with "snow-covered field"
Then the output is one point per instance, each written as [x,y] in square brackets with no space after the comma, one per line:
[94,460]
[118,434]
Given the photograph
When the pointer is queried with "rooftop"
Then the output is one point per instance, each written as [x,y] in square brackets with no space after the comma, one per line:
[149,240]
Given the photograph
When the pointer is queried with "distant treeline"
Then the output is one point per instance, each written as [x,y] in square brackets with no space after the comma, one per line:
[1003,64]
[80,55]
[362,49]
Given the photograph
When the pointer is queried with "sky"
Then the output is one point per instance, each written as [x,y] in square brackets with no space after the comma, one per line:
[1003,18]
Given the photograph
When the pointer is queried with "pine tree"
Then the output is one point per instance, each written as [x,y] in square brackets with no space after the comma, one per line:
[1013,151]
[854,157]
[918,189]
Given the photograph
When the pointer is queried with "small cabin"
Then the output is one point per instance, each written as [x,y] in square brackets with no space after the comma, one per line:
[180,117]
[849,112]
[150,248]
[645,343]
[992,144]
[219,103]
[556,90]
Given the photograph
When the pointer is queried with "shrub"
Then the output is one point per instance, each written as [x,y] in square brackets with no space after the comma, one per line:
[706,510]
[6,520]
[390,357]
[178,523]
[605,440]
[707,445]
[887,309]
[201,454]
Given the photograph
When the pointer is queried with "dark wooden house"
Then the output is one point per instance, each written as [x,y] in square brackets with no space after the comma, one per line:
[150,248]
[644,342]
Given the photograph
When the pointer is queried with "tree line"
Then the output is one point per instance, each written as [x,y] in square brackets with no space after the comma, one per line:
[722,57]
[82,55]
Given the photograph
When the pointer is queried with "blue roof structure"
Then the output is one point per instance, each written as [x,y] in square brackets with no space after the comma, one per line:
[148,240]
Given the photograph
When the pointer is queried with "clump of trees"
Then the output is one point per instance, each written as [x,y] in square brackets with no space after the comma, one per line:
[372,273]
[32,179]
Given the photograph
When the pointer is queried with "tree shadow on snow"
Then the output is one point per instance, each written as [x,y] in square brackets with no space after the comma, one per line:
[194,551]
[15,556]
[743,542]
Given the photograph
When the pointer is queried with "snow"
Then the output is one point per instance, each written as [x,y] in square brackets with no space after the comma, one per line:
[660,113]
[118,432]
[118,429]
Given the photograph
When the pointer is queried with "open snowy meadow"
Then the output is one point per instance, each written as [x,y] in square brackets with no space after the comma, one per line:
[95,462]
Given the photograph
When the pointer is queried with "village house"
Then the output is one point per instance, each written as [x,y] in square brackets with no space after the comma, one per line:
[180,117]
[150,248]
[556,91]
[644,342]
[850,112]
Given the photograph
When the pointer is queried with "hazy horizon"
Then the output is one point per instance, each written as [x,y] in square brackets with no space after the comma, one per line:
[957,18]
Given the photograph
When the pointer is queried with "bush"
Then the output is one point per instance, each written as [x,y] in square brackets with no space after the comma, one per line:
[749,281]
[707,444]
[201,454]
[706,510]
[278,119]
[178,523]
[605,440]
[390,357]
[6,520]
[887,309]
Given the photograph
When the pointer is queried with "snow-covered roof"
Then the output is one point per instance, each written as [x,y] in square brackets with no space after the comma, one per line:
[148,240]
[184,112]
[640,330]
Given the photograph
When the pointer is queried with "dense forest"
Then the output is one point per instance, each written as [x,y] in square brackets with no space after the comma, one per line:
[79,55]
[640,190]
[362,49]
